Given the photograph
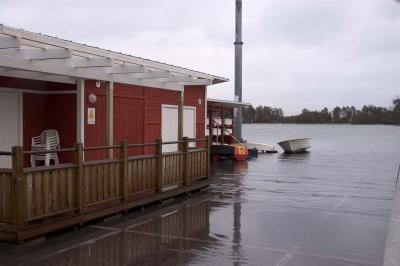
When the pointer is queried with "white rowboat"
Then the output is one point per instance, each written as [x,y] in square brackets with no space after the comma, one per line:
[261,147]
[295,145]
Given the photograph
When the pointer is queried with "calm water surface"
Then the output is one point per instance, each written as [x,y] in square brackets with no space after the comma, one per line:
[330,206]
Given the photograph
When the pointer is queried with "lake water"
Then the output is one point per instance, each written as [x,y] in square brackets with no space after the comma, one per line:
[328,207]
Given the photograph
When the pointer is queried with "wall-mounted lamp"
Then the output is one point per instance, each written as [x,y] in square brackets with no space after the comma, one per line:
[98,84]
[199,101]
[92,98]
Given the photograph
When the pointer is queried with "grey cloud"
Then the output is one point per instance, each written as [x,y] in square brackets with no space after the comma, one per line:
[297,53]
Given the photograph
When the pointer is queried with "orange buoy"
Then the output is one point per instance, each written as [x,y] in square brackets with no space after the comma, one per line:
[241,152]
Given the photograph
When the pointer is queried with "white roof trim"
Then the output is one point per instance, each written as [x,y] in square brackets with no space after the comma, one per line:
[33,52]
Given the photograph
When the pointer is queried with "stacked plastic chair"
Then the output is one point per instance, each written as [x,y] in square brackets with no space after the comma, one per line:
[48,140]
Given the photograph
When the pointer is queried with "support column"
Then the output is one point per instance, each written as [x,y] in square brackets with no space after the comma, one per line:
[180,118]
[110,117]
[80,111]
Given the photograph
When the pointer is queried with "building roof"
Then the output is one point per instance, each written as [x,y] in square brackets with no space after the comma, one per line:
[33,55]
[226,103]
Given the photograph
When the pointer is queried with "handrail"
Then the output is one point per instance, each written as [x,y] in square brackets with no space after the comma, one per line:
[49,151]
[102,148]
[141,145]
[136,145]
[49,167]
[5,170]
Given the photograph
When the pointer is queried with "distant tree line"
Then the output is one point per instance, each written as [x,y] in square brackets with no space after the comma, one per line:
[369,114]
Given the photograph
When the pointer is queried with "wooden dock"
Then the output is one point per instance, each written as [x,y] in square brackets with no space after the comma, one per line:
[37,201]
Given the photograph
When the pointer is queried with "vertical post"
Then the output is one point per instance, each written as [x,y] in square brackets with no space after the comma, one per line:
[180,118]
[110,117]
[78,159]
[80,111]
[124,171]
[159,176]
[19,193]
[208,159]
[222,127]
[186,161]
[210,124]
[238,68]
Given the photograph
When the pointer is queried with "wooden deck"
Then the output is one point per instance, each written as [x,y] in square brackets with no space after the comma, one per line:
[40,200]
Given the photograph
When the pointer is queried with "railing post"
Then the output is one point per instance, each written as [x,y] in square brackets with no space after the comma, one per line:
[186,161]
[208,159]
[159,156]
[78,159]
[124,170]
[19,192]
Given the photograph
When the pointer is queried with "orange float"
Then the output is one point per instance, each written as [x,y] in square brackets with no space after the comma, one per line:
[241,152]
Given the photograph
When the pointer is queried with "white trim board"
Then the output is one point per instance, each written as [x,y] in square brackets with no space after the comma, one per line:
[36,92]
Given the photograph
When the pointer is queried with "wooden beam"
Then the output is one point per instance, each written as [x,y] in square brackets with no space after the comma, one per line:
[126,69]
[36,76]
[194,82]
[80,111]
[91,62]
[59,67]
[180,79]
[9,42]
[154,74]
[45,54]
[110,117]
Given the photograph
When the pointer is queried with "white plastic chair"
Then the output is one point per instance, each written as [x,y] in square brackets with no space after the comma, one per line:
[47,141]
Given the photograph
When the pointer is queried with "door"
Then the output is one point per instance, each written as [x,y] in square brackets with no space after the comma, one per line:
[10,124]
[169,127]
[189,124]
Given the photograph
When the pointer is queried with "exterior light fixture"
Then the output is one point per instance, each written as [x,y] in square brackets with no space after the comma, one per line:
[98,84]
[92,98]
[199,101]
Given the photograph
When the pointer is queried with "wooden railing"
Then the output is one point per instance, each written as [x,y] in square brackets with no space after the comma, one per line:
[5,196]
[31,196]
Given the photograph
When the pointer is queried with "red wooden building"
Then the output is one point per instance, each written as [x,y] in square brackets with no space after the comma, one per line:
[110,111]
[45,83]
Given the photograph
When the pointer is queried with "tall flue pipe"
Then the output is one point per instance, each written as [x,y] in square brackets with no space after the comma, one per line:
[238,68]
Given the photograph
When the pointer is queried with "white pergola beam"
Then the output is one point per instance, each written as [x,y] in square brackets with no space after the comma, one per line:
[9,42]
[126,69]
[91,62]
[199,82]
[154,74]
[36,76]
[44,54]
[179,79]
[59,68]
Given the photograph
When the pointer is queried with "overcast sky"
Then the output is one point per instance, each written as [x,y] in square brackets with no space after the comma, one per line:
[296,53]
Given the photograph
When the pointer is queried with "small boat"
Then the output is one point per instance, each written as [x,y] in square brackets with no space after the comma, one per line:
[295,145]
[260,147]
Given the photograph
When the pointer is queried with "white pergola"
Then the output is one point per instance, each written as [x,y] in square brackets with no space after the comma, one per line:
[29,55]
[35,56]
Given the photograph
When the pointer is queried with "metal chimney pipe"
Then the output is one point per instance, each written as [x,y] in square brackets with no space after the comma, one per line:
[238,69]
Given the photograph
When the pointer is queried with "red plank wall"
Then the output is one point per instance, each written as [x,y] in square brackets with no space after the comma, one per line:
[137,116]
[56,111]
